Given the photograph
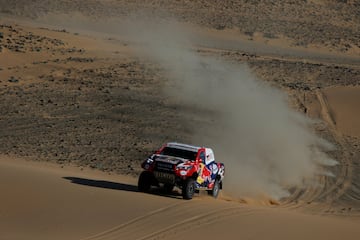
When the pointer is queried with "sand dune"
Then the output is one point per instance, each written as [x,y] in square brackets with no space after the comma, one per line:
[45,201]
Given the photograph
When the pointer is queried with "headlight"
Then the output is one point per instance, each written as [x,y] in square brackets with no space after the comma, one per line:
[149,161]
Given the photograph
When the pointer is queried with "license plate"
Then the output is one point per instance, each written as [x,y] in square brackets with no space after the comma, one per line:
[164,177]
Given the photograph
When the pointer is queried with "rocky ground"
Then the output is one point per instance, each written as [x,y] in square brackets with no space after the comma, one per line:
[75,108]
[323,23]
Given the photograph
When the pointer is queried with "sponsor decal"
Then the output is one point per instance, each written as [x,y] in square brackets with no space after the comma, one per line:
[204,174]
[214,168]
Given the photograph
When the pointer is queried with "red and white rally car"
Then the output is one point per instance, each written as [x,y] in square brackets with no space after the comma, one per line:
[188,167]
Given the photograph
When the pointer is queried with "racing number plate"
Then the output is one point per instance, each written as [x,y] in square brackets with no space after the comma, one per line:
[165,177]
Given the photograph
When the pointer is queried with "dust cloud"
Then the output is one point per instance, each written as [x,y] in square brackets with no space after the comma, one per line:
[267,147]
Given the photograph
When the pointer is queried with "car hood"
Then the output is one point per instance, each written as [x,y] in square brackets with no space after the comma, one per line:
[169,159]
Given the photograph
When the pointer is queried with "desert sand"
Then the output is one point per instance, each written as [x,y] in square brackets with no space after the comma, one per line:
[45,201]
[82,104]
[343,105]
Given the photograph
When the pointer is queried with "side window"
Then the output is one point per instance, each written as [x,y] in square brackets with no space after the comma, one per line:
[202,156]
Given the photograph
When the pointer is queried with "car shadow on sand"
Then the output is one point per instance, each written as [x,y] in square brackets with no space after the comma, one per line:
[120,186]
[102,184]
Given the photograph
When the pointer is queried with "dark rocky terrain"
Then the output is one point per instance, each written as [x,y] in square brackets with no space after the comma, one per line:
[327,23]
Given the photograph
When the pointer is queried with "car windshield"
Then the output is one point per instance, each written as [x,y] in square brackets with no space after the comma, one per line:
[176,152]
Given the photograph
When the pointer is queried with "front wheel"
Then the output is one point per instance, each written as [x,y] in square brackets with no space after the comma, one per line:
[144,183]
[188,189]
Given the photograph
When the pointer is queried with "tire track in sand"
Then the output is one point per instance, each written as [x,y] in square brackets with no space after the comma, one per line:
[330,189]
[164,222]
[197,222]
[104,234]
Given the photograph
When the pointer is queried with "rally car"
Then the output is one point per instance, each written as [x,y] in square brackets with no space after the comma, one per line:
[187,167]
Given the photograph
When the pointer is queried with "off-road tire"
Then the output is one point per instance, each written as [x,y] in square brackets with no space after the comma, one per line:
[188,189]
[144,182]
[216,189]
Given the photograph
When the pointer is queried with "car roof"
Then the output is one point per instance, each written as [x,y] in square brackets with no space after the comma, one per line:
[183,146]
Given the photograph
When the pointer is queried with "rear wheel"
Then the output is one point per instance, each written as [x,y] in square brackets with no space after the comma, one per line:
[145,180]
[188,189]
[216,189]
